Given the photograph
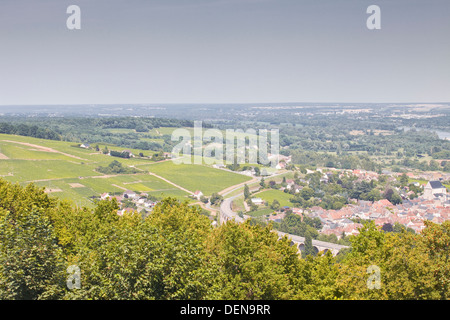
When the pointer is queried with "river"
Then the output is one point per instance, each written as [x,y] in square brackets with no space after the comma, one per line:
[444,135]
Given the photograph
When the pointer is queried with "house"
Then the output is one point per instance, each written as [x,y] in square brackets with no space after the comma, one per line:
[257,201]
[85,145]
[125,210]
[280,165]
[105,196]
[434,189]
[118,198]
[197,194]
[277,217]
[285,159]
[129,153]
[129,194]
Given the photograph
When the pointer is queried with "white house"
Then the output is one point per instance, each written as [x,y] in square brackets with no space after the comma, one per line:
[280,165]
[129,194]
[434,189]
[104,196]
[257,201]
[197,194]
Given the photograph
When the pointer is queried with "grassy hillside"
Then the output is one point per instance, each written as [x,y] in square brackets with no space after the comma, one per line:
[196,177]
[270,195]
[69,172]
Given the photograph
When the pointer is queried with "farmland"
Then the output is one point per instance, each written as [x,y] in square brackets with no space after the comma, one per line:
[196,177]
[270,195]
[69,172]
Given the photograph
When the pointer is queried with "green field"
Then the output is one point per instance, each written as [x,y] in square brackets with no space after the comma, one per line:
[69,172]
[25,160]
[31,170]
[270,195]
[196,177]
[260,212]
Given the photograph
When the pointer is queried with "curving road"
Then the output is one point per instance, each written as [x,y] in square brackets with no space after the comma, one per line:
[227,214]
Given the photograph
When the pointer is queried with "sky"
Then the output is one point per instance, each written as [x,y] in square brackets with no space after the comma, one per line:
[223,51]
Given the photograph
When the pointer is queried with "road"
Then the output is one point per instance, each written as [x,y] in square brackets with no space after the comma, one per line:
[227,214]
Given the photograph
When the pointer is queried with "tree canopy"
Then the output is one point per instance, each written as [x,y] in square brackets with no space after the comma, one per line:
[176,253]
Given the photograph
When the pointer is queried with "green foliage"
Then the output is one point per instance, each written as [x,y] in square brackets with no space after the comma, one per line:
[250,263]
[118,154]
[175,253]
[294,224]
[246,192]
[309,248]
[216,199]
[29,130]
[31,262]
[116,167]
[275,205]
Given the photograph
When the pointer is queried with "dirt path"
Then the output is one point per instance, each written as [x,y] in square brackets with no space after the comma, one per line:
[115,185]
[232,188]
[170,182]
[3,157]
[164,179]
[45,149]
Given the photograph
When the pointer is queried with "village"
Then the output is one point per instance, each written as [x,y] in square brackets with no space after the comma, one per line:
[433,205]
[130,201]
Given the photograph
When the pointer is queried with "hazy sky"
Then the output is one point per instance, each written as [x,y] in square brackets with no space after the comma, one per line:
[220,51]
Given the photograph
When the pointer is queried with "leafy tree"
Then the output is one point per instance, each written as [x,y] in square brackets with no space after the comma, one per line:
[246,192]
[309,249]
[216,198]
[204,199]
[318,277]
[396,199]
[406,271]
[404,180]
[388,194]
[31,261]
[116,167]
[373,195]
[175,253]
[307,193]
[249,262]
[436,239]
[275,205]
[262,183]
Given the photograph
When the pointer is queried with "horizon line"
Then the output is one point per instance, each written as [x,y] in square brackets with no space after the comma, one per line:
[219,103]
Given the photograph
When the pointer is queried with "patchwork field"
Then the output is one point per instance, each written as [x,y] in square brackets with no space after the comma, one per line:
[270,195]
[68,172]
[196,177]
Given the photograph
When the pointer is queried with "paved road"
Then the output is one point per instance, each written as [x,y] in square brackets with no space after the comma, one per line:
[227,211]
